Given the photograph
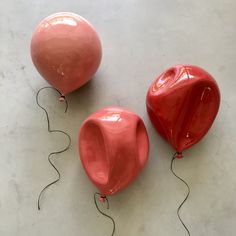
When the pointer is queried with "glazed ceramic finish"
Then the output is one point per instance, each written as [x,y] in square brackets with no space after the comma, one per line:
[182,104]
[66,51]
[113,145]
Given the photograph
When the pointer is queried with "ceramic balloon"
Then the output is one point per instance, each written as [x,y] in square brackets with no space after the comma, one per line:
[66,51]
[113,145]
[182,104]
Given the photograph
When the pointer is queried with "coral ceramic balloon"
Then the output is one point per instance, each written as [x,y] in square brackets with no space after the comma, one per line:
[113,146]
[66,51]
[182,104]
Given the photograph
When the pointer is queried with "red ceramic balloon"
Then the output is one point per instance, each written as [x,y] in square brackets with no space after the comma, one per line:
[182,104]
[66,51]
[113,144]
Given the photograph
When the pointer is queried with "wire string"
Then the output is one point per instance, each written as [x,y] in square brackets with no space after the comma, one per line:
[104,198]
[52,131]
[182,203]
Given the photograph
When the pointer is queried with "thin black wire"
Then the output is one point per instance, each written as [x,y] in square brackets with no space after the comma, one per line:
[52,131]
[105,198]
[178,210]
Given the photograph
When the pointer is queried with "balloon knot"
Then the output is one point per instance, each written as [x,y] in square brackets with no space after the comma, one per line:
[62,98]
[102,198]
[179,155]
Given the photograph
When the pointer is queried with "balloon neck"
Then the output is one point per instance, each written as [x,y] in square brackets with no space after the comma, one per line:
[102,198]
[179,155]
[62,98]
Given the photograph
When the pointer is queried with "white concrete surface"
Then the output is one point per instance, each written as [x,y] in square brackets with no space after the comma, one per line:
[140,39]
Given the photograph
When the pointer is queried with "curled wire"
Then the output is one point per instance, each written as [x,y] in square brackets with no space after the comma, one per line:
[52,131]
[104,198]
[178,210]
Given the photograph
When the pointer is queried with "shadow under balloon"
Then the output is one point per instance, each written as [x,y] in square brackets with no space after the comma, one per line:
[83,101]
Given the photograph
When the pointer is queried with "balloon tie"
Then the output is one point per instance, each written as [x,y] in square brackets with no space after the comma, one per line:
[56,152]
[103,198]
[62,98]
[178,210]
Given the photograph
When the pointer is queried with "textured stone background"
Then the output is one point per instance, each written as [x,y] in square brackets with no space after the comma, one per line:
[140,39]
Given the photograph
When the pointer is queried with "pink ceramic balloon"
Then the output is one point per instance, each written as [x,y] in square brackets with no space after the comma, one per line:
[113,144]
[66,51]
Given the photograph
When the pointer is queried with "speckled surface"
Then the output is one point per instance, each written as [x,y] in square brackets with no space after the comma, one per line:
[140,39]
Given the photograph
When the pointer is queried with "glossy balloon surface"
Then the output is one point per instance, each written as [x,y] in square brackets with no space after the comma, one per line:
[182,104]
[66,51]
[114,145]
